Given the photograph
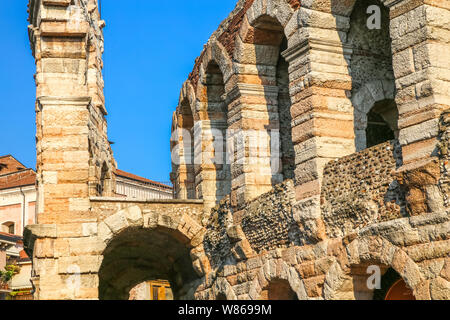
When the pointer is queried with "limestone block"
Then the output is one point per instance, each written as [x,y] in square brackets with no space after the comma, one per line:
[445,273]
[280,9]
[61,248]
[422,131]
[440,289]
[255,290]
[45,267]
[314,286]
[79,264]
[43,230]
[104,232]
[70,230]
[44,248]
[134,216]
[150,219]
[89,229]
[117,222]
[86,246]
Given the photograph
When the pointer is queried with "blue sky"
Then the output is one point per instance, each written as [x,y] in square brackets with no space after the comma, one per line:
[150,50]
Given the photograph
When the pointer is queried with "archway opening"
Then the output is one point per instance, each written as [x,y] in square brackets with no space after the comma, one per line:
[140,255]
[393,287]
[278,290]
[373,281]
[373,81]
[186,140]
[213,176]
[382,123]
[274,74]
[284,111]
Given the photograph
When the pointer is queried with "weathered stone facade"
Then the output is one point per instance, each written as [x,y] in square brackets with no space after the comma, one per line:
[305,223]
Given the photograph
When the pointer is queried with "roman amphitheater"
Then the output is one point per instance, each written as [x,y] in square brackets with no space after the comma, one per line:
[310,158]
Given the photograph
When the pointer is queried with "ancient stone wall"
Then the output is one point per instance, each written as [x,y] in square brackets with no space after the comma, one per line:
[362,189]
[253,233]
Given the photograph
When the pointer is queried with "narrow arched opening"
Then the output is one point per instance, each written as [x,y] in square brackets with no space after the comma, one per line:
[186,174]
[273,70]
[371,70]
[284,111]
[382,123]
[213,176]
[373,281]
[278,290]
[393,287]
[137,256]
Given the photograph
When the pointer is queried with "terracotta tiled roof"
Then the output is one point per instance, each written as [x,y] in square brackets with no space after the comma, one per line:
[128,175]
[18,179]
[23,257]
[12,177]
[9,164]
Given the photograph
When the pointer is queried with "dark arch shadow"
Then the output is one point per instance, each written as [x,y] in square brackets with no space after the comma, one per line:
[137,255]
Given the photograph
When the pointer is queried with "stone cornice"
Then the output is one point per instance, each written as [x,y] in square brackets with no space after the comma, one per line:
[305,46]
[165,201]
[67,101]
[243,89]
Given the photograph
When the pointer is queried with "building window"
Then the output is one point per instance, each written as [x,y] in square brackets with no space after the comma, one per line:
[160,290]
[8,227]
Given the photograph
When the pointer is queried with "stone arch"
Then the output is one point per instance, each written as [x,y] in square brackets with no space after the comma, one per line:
[212,168]
[216,52]
[188,94]
[182,145]
[150,246]
[280,10]
[263,81]
[375,251]
[372,74]
[364,100]
[277,271]
[336,7]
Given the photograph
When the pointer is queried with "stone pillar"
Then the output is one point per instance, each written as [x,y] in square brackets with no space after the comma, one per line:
[182,176]
[74,158]
[322,113]
[253,126]
[419,43]
[419,32]
[253,102]
[211,167]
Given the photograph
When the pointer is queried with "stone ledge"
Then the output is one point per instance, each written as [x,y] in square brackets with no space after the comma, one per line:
[169,201]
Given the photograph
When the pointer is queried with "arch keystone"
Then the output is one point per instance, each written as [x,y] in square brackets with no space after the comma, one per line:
[134,216]
[117,222]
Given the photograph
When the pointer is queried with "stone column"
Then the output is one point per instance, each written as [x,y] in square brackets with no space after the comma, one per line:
[420,45]
[322,113]
[211,169]
[182,176]
[74,159]
[253,126]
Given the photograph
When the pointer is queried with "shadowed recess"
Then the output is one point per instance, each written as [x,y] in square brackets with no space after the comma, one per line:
[137,255]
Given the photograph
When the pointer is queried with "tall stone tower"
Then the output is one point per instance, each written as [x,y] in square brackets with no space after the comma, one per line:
[74,157]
